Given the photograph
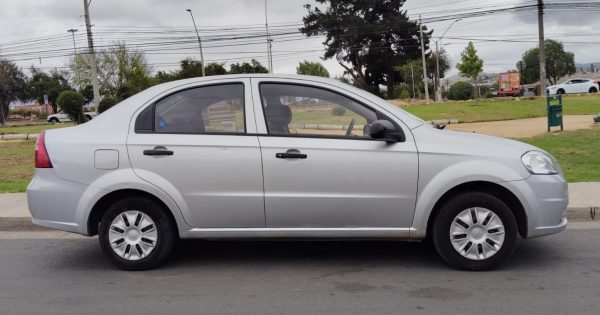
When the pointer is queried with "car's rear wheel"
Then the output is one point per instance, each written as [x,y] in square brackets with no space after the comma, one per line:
[136,234]
[475,231]
[593,90]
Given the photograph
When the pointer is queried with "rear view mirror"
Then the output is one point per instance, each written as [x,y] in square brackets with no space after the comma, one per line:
[385,130]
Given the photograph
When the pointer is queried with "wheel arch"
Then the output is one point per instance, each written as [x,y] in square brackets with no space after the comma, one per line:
[491,188]
[107,200]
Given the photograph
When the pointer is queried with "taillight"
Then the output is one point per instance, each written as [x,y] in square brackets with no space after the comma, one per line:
[42,159]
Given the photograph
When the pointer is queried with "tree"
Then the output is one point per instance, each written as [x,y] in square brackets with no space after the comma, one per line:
[88,93]
[42,83]
[411,73]
[312,68]
[559,63]
[432,64]
[71,103]
[253,67]
[106,103]
[118,66]
[12,87]
[191,68]
[372,36]
[471,65]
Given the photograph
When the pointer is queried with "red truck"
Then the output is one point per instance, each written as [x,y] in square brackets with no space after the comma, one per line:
[509,84]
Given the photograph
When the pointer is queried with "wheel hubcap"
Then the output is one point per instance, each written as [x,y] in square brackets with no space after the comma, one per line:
[477,233]
[133,235]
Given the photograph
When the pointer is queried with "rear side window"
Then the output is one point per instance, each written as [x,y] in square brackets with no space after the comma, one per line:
[203,110]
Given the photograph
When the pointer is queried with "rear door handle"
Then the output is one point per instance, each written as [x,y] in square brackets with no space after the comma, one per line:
[158,151]
[291,155]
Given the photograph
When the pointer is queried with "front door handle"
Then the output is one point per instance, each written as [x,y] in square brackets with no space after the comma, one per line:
[158,151]
[290,155]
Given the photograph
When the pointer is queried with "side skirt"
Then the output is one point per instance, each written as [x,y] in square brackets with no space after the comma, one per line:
[303,233]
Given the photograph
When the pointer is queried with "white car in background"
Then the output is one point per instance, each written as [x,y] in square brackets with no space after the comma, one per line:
[574,86]
[62,117]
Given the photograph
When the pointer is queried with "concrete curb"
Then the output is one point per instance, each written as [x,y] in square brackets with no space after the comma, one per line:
[19,136]
[19,224]
[24,224]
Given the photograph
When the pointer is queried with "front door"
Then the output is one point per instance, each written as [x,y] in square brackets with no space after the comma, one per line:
[195,144]
[323,170]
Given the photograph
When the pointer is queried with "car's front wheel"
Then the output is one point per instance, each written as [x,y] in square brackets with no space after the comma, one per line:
[475,231]
[53,120]
[560,92]
[136,234]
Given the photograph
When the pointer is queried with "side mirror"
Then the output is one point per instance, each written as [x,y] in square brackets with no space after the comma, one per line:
[385,130]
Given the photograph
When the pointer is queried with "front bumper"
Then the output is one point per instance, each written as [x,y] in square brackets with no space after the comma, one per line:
[545,199]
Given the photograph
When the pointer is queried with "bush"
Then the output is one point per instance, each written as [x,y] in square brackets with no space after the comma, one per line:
[106,103]
[71,103]
[338,111]
[460,91]
[404,94]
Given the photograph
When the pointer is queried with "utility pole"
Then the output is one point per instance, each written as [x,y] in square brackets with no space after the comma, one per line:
[438,91]
[542,48]
[91,54]
[412,75]
[199,42]
[424,64]
[269,41]
[72,31]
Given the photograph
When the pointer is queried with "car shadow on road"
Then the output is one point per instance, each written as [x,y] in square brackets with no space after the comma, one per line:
[529,255]
[422,255]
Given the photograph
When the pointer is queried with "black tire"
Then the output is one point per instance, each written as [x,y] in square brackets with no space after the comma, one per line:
[593,90]
[560,92]
[166,231]
[446,216]
[53,120]
[88,117]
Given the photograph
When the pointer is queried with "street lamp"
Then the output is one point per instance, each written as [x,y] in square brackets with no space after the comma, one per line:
[438,93]
[199,41]
[72,31]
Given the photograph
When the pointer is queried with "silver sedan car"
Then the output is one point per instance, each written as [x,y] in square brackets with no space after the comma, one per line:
[269,156]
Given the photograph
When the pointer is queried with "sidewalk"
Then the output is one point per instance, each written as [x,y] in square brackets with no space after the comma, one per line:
[14,215]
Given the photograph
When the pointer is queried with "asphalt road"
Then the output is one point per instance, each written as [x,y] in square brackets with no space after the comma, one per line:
[554,275]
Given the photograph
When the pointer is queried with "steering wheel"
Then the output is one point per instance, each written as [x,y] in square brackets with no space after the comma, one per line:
[349,131]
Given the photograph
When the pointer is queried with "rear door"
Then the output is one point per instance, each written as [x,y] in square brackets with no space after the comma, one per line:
[199,145]
[321,169]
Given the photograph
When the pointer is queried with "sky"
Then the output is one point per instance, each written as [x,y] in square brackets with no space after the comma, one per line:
[31,28]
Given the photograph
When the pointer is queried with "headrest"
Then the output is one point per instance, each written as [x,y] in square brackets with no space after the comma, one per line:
[278,114]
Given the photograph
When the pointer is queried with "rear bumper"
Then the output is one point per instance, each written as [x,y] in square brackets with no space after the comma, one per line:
[545,199]
[56,203]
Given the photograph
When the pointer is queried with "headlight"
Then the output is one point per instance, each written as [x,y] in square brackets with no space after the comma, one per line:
[540,163]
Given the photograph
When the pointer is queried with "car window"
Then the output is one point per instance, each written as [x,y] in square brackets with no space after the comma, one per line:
[291,109]
[208,109]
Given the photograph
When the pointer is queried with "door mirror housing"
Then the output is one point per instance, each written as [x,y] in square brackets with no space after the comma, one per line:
[385,130]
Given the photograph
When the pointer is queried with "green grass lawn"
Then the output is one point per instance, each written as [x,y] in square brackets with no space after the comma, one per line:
[31,129]
[491,109]
[578,152]
[16,165]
